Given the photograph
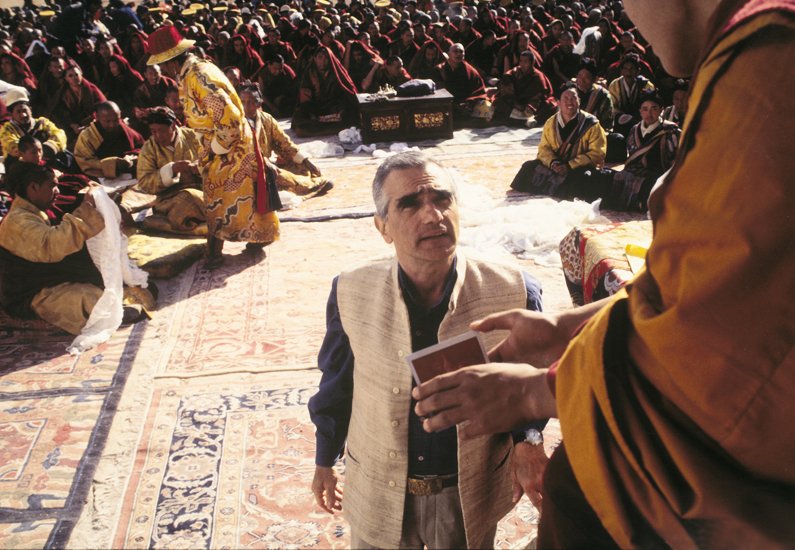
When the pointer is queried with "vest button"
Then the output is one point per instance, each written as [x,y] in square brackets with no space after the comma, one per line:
[396,390]
[395,423]
[401,354]
[392,483]
[392,454]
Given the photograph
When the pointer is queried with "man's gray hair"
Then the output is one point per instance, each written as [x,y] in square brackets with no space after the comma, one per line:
[402,161]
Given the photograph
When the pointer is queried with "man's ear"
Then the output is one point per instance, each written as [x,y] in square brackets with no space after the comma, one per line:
[380,224]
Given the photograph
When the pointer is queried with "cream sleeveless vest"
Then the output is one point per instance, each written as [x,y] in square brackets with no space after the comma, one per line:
[376,321]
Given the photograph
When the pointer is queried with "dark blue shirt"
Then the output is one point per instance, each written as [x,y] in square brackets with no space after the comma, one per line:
[330,407]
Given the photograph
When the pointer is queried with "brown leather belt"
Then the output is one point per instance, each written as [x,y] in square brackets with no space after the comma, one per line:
[430,485]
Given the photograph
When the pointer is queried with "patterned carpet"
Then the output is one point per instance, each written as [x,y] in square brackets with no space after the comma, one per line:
[209,444]
[55,415]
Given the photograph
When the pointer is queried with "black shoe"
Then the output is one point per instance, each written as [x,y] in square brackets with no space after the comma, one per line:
[131,314]
[322,189]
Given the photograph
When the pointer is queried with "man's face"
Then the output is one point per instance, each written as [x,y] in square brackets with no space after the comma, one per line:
[650,112]
[43,194]
[525,64]
[114,67]
[567,43]
[170,68]
[394,69]
[569,104]
[239,46]
[152,74]
[626,42]
[173,102]
[73,76]
[7,66]
[105,50]
[250,104]
[456,54]
[273,38]
[407,36]
[629,71]
[164,134]
[57,67]
[584,80]
[32,154]
[422,216]
[321,60]
[108,120]
[21,113]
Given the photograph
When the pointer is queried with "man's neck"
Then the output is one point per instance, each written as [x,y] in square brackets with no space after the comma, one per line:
[428,279]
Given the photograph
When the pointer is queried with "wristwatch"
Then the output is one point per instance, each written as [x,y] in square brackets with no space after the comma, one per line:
[534,437]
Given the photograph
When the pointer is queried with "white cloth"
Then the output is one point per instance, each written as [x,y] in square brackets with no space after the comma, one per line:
[108,250]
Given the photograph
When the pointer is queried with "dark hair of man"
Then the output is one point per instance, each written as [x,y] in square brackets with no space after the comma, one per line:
[107,106]
[26,142]
[567,86]
[253,89]
[632,59]
[33,173]
[276,58]
[401,161]
[392,59]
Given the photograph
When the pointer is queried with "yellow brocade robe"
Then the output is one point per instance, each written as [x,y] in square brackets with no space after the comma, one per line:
[290,174]
[676,401]
[10,134]
[179,208]
[227,159]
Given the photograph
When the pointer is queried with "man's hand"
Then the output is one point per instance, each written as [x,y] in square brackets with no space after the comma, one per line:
[527,470]
[485,399]
[123,165]
[324,486]
[534,337]
[182,167]
[88,199]
[560,168]
[313,170]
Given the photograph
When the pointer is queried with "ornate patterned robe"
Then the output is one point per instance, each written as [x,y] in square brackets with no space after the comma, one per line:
[228,160]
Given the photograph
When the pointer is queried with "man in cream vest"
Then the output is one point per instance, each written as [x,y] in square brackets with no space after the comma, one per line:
[405,487]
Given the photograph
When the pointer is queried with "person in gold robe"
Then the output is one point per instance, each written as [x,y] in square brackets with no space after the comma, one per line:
[168,167]
[45,269]
[108,147]
[239,198]
[294,172]
[675,395]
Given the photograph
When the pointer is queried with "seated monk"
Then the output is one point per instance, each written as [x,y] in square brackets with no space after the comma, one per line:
[381,75]
[294,172]
[524,92]
[22,123]
[45,269]
[651,146]
[108,147]
[168,167]
[625,91]
[281,87]
[573,145]
[465,84]
[326,97]
[69,183]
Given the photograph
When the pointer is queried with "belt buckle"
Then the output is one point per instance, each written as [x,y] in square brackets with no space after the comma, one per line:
[425,487]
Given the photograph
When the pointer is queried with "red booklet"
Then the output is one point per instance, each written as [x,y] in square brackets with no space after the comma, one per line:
[447,356]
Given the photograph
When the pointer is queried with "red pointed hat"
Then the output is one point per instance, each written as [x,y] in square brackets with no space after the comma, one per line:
[166,43]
